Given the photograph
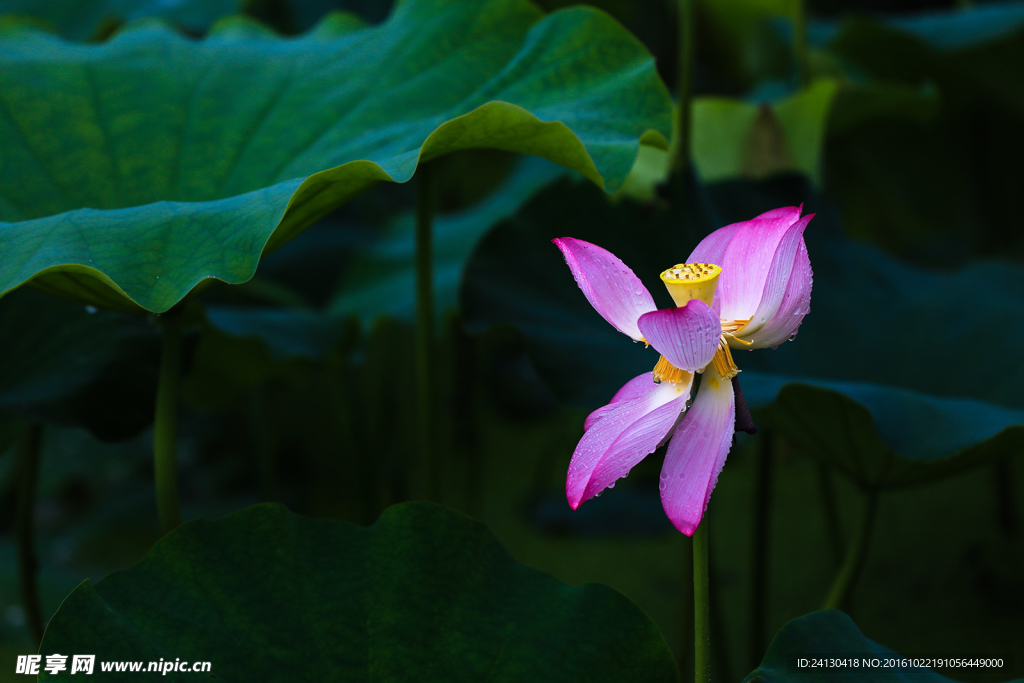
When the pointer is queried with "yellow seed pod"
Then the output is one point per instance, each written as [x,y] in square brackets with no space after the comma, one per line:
[686,281]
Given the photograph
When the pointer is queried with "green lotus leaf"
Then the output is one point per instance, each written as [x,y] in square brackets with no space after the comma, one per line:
[830,634]
[85,19]
[424,594]
[136,169]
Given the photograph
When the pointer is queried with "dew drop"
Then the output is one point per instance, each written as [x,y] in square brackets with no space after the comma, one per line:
[90,309]
[662,485]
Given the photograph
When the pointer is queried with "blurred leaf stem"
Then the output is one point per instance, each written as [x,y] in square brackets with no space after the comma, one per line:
[28,565]
[833,527]
[800,62]
[425,334]
[680,148]
[854,561]
[165,467]
[764,473]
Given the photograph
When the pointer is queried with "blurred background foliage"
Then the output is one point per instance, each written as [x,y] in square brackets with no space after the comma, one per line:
[901,130]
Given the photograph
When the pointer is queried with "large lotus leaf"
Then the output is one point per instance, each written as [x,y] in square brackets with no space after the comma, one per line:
[423,594]
[140,167]
[832,635]
[379,280]
[84,19]
[898,352]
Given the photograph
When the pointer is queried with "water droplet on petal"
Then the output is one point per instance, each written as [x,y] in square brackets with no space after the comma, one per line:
[662,485]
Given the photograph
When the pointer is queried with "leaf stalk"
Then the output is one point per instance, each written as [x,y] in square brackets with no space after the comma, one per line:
[853,563]
[165,424]
[425,403]
[28,564]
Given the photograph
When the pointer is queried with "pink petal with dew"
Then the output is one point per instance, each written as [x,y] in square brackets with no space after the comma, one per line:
[789,262]
[609,285]
[745,252]
[687,336]
[697,452]
[641,385]
[621,438]
[793,306]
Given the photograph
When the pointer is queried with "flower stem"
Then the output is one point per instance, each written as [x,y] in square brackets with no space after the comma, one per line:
[680,151]
[762,512]
[701,605]
[28,565]
[165,424]
[685,654]
[853,563]
[828,503]
[425,331]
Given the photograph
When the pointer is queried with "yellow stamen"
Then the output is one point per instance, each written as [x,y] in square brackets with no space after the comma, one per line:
[731,327]
[666,372]
[734,326]
[687,281]
[723,362]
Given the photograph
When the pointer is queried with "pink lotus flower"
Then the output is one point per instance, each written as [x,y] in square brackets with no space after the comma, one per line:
[762,275]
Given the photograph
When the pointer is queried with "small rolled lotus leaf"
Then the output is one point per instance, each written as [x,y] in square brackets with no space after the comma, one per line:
[739,139]
[424,594]
[136,169]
